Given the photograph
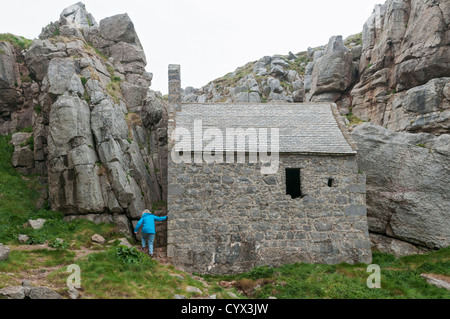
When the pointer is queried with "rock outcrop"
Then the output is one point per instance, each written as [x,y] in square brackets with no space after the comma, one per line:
[396,247]
[404,87]
[98,131]
[332,72]
[272,78]
[405,67]
[26,291]
[4,252]
[17,91]
[408,176]
[323,74]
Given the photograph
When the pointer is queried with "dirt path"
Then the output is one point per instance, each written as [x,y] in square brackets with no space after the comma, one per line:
[38,277]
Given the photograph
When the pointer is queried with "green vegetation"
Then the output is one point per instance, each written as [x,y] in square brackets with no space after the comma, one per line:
[90,46]
[400,278]
[38,109]
[25,260]
[231,79]
[27,130]
[89,21]
[114,90]
[356,39]
[25,78]
[113,87]
[105,275]
[132,256]
[14,209]
[29,142]
[19,42]
[299,64]
[83,80]
[18,196]
[394,91]
[161,205]
[87,97]
[56,33]
[353,120]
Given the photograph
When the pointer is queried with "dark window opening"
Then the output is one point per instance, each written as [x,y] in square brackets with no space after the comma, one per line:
[330,182]
[293,187]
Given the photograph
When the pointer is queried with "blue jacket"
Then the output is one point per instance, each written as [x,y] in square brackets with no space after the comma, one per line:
[147,222]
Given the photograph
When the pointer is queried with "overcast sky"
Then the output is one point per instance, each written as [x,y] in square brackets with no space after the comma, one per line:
[209,38]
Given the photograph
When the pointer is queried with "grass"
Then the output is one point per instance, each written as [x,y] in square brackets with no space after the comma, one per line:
[24,260]
[14,210]
[133,120]
[400,279]
[90,46]
[353,120]
[29,142]
[18,196]
[232,79]
[299,64]
[27,130]
[17,41]
[355,38]
[114,90]
[113,87]
[105,276]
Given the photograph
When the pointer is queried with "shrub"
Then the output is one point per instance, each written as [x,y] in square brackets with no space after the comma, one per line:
[131,256]
[58,244]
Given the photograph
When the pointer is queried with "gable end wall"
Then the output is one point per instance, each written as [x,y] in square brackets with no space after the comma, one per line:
[228,218]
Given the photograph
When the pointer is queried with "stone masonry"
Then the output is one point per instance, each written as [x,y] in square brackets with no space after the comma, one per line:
[228,218]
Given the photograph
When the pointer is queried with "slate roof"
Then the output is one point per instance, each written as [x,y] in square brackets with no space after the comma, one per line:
[304,128]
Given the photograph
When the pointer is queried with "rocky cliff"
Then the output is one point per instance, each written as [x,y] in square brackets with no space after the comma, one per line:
[405,67]
[92,125]
[288,78]
[404,88]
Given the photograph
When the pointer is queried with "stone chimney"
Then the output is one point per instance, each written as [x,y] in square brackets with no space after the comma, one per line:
[174,95]
[174,84]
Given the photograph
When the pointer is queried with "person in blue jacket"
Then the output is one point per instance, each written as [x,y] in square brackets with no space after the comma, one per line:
[147,222]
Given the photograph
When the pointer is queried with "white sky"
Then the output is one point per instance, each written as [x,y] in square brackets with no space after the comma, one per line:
[209,38]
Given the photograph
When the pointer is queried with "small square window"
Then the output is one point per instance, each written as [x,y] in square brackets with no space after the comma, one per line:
[330,182]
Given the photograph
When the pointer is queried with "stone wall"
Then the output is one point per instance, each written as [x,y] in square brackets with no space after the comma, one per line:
[228,218]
